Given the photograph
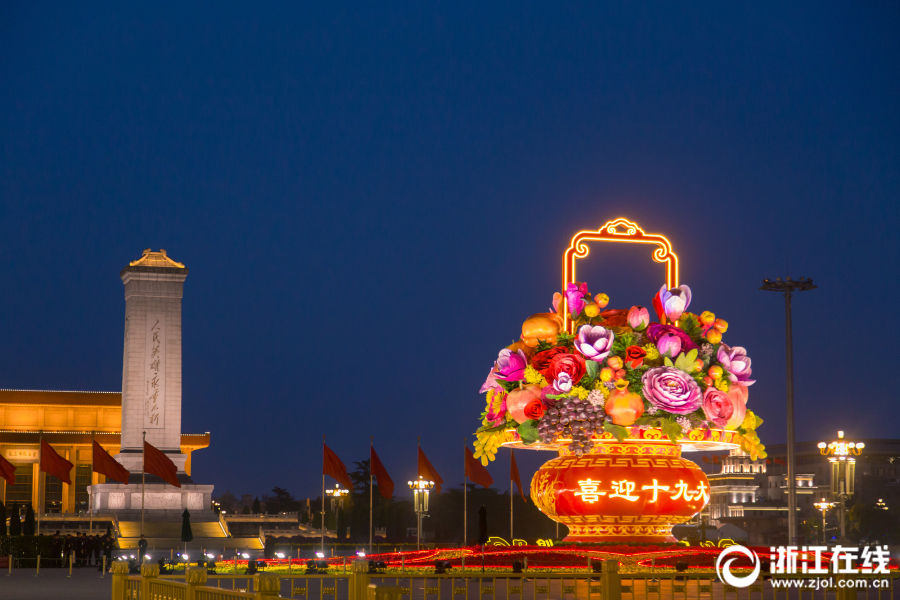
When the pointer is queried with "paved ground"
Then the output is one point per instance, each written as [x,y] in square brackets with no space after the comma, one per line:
[51,584]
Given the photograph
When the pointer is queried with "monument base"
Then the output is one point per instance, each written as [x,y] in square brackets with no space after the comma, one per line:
[156,497]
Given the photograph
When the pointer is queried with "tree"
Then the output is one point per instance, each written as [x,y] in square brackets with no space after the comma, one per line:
[28,527]
[281,501]
[15,524]
[228,502]
[256,509]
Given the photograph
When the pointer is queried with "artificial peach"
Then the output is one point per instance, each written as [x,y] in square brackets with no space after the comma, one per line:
[624,407]
[715,372]
[714,336]
[615,362]
[591,310]
[721,325]
[602,300]
[542,326]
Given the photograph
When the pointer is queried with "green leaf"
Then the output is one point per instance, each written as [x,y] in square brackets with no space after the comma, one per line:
[685,361]
[671,429]
[668,361]
[593,368]
[617,430]
[508,385]
[528,431]
[690,324]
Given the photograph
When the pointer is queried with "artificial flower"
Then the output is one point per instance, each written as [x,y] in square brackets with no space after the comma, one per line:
[671,304]
[638,318]
[672,390]
[717,407]
[669,345]
[496,407]
[575,293]
[737,363]
[541,360]
[657,330]
[579,392]
[572,364]
[594,342]
[563,383]
[532,375]
[597,398]
[534,409]
[511,365]
[652,352]
[634,356]
[737,394]
[490,382]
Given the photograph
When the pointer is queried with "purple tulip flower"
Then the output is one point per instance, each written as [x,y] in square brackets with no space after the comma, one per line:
[673,302]
[656,330]
[737,363]
[671,390]
[594,342]
[511,365]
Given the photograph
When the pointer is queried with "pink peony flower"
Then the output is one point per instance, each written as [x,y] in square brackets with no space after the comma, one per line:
[657,330]
[717,406]
[671,390]
[737,394]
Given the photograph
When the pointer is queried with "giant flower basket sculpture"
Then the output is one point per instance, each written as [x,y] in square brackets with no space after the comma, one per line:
[619,398]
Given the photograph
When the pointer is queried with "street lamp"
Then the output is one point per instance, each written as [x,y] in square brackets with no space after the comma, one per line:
[787,287]
[841,453]
[823,505]
[420,489]
[337,494]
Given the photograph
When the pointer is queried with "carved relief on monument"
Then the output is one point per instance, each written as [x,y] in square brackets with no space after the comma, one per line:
[155,372]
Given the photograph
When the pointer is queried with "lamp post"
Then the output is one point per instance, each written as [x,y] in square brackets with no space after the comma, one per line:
[823,505]
[841,454]
[420,489]
[787,287]
[337,494]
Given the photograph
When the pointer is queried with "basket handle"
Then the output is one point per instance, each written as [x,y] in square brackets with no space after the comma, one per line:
[617,230]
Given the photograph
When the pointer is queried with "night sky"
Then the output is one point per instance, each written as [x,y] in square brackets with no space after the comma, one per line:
[370,200]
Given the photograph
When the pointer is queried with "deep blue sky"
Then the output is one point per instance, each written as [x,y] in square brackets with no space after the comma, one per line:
[370,200]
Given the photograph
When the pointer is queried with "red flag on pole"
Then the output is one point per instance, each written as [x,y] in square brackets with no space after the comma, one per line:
[106,465]
[157,463]
[427,471]
[7,471]
[385,483]
[54,464]
[514,474]
[475,472]
[333,467]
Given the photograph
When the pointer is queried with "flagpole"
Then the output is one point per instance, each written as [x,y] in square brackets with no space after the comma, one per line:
[465,496]
[322,513]
[371,497]
[143,479]
[510,497]
[90,496]
[40,501]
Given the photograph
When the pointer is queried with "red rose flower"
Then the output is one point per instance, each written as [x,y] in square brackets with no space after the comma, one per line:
[541,360]
[534,409]
[572,364]
[634,356]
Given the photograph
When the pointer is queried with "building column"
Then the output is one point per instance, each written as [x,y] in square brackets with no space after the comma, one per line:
[67,504]
[35,486]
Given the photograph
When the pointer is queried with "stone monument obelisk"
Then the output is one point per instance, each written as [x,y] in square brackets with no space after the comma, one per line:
[151,395]
[151,362]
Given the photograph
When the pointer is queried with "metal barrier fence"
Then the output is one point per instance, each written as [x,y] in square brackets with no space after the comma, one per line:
[609,584]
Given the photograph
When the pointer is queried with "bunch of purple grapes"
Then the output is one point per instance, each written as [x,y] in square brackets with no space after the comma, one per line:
[574,418]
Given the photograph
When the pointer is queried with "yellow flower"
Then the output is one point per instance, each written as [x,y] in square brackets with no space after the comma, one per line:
[751,421]
[722,384]
[486,444]
[580,392]
[652,352]
[532,375]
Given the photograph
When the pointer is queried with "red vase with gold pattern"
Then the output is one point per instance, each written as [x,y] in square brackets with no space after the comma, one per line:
[630,491]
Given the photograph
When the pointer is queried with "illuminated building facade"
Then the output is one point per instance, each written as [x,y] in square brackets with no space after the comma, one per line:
[68,421]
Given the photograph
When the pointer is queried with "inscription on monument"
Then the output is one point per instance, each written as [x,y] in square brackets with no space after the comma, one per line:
[155,372]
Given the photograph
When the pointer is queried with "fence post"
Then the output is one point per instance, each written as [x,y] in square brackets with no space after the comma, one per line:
[266,586]
[194,577]
[119,573]
[149,572]
[610,587]
[37,567]
[358,582]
